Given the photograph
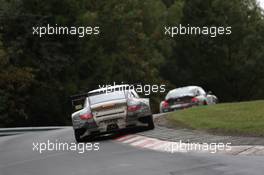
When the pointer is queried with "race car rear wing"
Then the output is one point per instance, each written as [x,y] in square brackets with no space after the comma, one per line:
[77,101]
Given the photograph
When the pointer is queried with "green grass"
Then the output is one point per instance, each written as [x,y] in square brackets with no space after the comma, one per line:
[245,118]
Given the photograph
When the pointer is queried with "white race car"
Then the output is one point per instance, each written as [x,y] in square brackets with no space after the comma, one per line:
[109,110]
[186,97]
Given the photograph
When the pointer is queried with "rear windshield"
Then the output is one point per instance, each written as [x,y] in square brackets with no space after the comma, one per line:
[100,98]
[180,93]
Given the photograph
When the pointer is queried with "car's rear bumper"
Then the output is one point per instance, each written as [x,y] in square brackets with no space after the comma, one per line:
[178,107]
[92,128]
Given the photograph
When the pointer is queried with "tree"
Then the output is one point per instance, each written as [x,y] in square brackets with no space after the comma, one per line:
[229,65]
[14,84]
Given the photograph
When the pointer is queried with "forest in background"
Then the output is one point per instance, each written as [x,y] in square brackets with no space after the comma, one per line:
[37,75]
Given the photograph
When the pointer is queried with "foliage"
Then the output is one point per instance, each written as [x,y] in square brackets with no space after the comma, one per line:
[39,74]
[231,66]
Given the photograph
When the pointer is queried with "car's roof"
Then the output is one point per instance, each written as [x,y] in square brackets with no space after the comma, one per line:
[109,88]
[182,91]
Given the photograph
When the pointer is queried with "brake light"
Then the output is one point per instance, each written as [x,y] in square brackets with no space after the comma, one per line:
[165,104]
[195,100]
[86,116]
[133,108]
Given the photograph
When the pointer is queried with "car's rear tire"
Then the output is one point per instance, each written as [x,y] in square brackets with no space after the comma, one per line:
[150,122]
[78,133]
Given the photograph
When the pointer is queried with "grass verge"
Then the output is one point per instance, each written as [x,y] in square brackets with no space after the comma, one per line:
[244,118]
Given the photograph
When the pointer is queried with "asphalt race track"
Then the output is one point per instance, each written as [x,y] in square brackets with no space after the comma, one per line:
[18,158]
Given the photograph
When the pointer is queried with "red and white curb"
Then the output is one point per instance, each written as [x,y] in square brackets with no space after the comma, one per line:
[173,147]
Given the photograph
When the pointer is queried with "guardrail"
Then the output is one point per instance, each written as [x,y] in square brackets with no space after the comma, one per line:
[20,130]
